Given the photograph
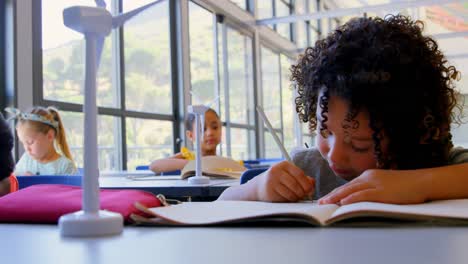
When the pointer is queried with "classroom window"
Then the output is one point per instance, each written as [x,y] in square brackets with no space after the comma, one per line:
[301,26]
[133,75]
[241,145]
[271,92]
[147,140]
[202,67]
[288,105]
[283,9]
[237,95]
[109,152]
[147,59]
[241,3]
[63,59]
[265,10]
[240,78]
[460,132]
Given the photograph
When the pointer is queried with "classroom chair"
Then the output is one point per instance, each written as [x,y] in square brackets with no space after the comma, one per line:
[26,181]
[14,186]
[250,174]
[146,167]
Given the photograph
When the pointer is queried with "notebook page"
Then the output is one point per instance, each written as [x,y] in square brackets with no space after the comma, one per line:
[457,208]
[205,213]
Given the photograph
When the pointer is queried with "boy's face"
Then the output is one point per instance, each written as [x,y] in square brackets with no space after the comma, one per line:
[36,144]
[212,134]
[348,152]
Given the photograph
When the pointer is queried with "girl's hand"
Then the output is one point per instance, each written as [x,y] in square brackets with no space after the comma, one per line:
[283,182]
[385,186]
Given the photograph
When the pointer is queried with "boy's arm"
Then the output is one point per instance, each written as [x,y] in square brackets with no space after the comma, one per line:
[404,186]
[449,182]
[283,182]
[244,192]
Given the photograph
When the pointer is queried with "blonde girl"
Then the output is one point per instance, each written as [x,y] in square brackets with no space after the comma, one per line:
[42,134]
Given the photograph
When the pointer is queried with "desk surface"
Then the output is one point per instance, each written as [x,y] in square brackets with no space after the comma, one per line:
[170,186]
[43,244]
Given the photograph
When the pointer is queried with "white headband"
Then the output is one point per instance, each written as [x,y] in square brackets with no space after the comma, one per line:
[17,114]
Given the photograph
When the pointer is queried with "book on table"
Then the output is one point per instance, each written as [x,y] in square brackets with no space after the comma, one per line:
[239,212]
[215,166]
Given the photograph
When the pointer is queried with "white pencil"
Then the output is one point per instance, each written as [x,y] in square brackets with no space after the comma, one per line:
[275,137]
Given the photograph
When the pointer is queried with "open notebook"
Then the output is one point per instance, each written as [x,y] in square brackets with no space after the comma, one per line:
[215,166]
[233,212]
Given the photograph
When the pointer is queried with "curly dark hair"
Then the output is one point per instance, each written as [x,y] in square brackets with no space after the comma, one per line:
[389,69]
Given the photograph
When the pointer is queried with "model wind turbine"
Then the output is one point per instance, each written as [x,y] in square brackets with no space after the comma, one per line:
[95,23]
[199,112]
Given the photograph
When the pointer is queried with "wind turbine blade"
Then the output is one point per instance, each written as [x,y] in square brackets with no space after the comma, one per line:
[119,20]
[101,3]
[99,47]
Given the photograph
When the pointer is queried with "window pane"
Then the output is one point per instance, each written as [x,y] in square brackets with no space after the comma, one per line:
[460,133]
[147,140]
[265,9]
[309,140]
[287,105]
[109,128]
[240,62]
[108,136]
[147,59]
[201,54]
[271,148]
[73,124]
[63,59]
[240,3]
[242,145]
[283,10]
[271,86]
[302,26]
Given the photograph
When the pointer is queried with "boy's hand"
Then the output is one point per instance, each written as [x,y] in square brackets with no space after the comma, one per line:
[385,186]
[284,182]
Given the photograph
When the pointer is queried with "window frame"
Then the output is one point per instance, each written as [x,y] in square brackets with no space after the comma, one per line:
[119,111]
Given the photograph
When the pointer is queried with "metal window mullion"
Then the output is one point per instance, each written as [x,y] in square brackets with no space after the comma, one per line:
[176,124]
[225,61]
[37,84]
[121,65]
[183,60]
[258,95]
[10,53]
[273,7]
[281,98]
[243,126]
[249,83]
[23,76]
[319,21]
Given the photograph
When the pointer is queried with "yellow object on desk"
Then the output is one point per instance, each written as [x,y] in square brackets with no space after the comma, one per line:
[190,155]
[187,154]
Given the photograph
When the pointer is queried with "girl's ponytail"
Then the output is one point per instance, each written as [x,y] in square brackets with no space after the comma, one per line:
[60,136]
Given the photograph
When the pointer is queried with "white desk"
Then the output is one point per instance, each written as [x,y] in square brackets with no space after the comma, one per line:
[429,245]
[170,186]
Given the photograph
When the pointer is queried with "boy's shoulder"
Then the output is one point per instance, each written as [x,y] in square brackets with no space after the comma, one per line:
[458,155]
[305,153]
[307,157]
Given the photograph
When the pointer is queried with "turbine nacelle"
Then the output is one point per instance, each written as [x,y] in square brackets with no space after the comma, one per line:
[88,20]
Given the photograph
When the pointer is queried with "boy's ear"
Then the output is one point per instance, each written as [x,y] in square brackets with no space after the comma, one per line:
[189,134]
